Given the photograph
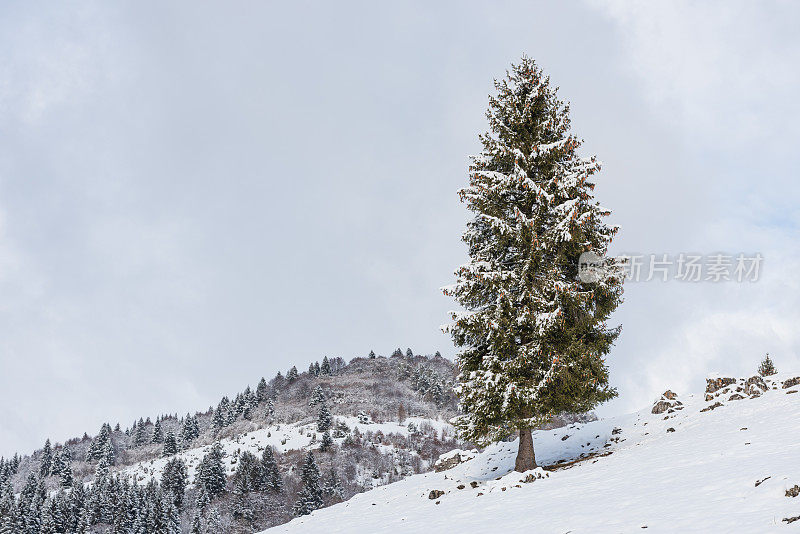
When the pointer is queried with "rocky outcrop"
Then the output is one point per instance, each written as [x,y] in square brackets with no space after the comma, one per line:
[435,494]
[668,402]
[755,386]
[711,407]
[452,458]
[715,384]
[791,382]
[661,407]
[752,387]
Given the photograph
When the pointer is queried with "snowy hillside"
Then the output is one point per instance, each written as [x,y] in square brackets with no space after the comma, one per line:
[724,460]
[283,439]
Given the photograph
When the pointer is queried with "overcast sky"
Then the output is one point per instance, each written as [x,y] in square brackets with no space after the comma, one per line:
[193,195]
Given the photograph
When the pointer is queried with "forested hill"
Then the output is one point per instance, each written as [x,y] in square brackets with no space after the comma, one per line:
[241,465]
[719,460]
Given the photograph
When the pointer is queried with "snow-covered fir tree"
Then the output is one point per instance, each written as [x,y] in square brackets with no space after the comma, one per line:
[271,479]
[767,367]
[533,334]
[327,442]
[170,445]
[325,419]
[174,479]
[158,434]
[211,472]
[140,435]
[325,368]
[332,486]
[46,460]
[292,375]
[317,396]
[310,496]
[189,430]
[99,443]
[218,419]
[262,390]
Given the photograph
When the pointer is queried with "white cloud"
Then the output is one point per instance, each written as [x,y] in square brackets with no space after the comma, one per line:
[723,71]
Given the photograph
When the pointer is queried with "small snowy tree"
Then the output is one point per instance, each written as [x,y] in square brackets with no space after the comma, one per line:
[767,367]
[325,419]
[271,479]
[158,434]
[363,418]
[327,442]
[317,396]
[262,390]
[292,375]
[211,472]
[332,487]
[170,445]
[533,334]
[46,460]
[325,368]
[174,480]
[310,496]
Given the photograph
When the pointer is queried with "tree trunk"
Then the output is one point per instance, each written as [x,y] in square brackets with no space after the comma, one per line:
[526,459]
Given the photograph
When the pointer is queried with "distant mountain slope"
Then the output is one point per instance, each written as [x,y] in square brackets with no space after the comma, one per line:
[384,418]
[721,461]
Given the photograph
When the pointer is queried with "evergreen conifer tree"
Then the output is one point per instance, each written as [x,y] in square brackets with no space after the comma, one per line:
[140,435]
[98,446]
[317,397]
[310,496]
[767,367]
[332,486]
[534,333]
[174,479]
[46,460]
[202,499]
[327,441]
[218,419]
[270,473]
[170,445]
[324,420]
[292,375]
[158,434]
[211,472]
[65,476]
[371,355]
[262,390]
[325,368]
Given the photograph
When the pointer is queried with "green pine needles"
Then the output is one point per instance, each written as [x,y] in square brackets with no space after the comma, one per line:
[533,335]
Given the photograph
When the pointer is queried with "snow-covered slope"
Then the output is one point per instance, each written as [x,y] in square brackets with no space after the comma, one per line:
[283,438]
[725,469]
